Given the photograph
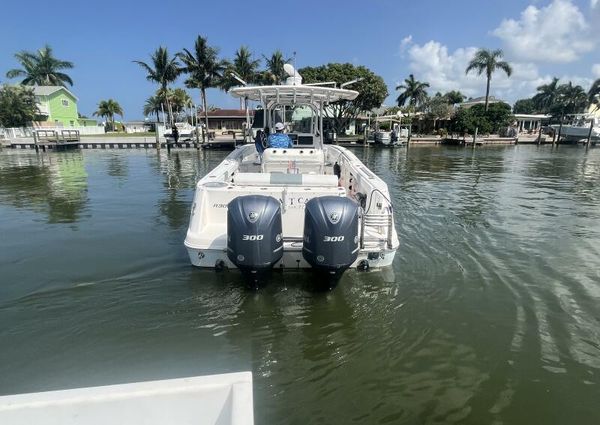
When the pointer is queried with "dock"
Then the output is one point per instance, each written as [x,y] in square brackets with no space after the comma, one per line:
[52,139]
[529,140]
[48,140]
[135,143]
[480,141]
[222,143]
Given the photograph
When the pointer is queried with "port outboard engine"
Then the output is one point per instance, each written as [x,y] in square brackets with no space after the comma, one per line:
[254,235]
[330,235]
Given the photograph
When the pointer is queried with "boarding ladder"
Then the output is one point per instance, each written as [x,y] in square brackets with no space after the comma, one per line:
[382,220]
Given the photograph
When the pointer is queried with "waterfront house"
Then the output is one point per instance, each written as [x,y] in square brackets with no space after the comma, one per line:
[58,108]
[225,120]
[479,101]
[531,123]
[137,126]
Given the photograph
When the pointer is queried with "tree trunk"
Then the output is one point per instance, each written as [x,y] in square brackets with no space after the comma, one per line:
[487,92]
[205,134]
[170,111]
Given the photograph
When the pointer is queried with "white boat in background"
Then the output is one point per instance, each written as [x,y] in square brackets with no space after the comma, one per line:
[313,206]
[398,135]
[185,129]
[578,128]
[202,400]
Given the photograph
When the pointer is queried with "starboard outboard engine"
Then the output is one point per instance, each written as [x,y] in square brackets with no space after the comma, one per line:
[254,235]
[330,235]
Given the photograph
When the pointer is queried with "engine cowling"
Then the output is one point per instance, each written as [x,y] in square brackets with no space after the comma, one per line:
[254,233]
[330,234]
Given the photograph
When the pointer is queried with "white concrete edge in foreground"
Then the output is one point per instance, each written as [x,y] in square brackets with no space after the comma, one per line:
[214,399]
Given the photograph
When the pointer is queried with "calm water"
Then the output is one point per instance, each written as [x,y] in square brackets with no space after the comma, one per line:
[490,314]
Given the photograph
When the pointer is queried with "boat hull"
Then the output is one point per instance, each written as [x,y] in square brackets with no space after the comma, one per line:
[573,134]
[202,400]
[292,259]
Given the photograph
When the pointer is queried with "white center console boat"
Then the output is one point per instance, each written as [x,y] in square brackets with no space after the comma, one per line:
[313,206]
[185,129]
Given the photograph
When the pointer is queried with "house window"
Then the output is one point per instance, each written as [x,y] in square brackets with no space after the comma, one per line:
[65,102]
[72,123]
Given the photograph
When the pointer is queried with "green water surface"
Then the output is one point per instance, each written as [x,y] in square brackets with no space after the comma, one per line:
[489,315]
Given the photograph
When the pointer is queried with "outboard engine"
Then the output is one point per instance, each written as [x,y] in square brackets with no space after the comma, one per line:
[254,235]
[330,235]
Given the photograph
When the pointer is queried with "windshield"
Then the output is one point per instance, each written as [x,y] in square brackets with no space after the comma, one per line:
[300,119]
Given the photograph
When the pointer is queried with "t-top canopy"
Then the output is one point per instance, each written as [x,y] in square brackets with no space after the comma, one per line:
[285,94]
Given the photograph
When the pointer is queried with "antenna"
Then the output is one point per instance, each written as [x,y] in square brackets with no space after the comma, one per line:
[356,80]
[294,59]
[234,75]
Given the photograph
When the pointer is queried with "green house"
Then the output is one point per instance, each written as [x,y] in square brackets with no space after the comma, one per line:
[58,107]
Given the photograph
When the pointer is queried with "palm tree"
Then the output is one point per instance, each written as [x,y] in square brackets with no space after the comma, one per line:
[547,95]
[152,106]
[488,61]
[41,68]
[108,109]
[414,92]
[162,70]
[243,66]
[179,99]
[454,97]
[594,94]
[204,69]
[275,74]
[572,99]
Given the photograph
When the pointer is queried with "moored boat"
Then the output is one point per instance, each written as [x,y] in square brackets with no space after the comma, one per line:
[313,206]
[577,129]
[185,129]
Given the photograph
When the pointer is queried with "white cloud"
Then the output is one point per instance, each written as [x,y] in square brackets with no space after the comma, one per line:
[405,43]
[558,32]
[444,71]
[584,82]
[596,70]
[594,3]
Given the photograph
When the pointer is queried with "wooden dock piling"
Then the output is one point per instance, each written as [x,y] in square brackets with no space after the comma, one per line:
[589,138]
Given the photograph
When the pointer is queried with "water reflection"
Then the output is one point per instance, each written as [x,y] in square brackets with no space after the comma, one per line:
[179,173]
[117,166]
[55,185]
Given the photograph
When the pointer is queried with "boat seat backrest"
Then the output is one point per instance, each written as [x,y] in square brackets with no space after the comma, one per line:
[284,179]
[306,160]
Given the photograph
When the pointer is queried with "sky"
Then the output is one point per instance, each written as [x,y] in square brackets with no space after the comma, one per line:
[433,39]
